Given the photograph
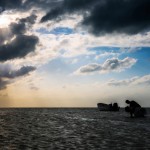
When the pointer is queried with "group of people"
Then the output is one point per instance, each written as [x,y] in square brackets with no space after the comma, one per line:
[134,109]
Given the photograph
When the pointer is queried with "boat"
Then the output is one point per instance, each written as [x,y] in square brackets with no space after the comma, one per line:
[108,107]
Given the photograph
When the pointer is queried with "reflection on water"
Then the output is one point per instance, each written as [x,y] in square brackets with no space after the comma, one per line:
[72,129]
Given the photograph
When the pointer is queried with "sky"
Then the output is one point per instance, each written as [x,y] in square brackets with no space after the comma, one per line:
[74,53]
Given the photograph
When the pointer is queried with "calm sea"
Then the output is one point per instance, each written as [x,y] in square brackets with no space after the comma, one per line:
[65,129]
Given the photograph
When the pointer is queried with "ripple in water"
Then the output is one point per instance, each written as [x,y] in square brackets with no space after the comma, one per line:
[72,129]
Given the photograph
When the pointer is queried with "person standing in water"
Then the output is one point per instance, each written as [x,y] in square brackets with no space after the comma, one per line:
[133,108]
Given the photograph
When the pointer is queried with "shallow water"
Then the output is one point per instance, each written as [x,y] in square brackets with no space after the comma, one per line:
[80,129]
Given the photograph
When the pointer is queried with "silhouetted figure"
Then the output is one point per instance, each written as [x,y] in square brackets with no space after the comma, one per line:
[134,109]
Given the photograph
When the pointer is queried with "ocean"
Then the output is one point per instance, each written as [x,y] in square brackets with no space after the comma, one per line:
[72,129]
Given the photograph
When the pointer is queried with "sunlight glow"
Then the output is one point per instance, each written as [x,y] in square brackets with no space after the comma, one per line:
[4,21]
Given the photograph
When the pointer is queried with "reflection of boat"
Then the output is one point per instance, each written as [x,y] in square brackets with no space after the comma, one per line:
[108,107]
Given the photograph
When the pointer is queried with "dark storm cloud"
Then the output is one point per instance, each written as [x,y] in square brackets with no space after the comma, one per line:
[1,9]
[68,6]
[23,71]
[24,5]
[53,14]
[22,25]
[7,74]
[18,48]
[30,19]
[126,16]
[44,4]
[10,4]
[18,28]
[22,44]
[107,16]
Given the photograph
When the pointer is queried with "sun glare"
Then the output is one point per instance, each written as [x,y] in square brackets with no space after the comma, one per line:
[4,21]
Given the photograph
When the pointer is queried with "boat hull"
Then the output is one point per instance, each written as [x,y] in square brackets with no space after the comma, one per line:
[108,107]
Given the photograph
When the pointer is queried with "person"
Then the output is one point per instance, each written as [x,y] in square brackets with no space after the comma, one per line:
[133,108]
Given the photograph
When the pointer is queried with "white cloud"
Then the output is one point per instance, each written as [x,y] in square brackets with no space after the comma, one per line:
[110,65]
[107,54]
[73,45]
[144,80]
[130,49]
[52,46]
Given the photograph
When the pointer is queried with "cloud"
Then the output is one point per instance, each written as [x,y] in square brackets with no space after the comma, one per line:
[110,65]
[18,28]
[19,44]
[15,42]
[144,80]
[67,7]
[121,82]
[9,4]
[90,68]
[7,73]
[18,48]
[22,25]
[100,17]
[124,16]
[25,5]
[20,72]
[30,19]
[130,49]
[109,16]
[3,84]
[107,54]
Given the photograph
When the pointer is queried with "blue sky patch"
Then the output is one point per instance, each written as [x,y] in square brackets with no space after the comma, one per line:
[57,31]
